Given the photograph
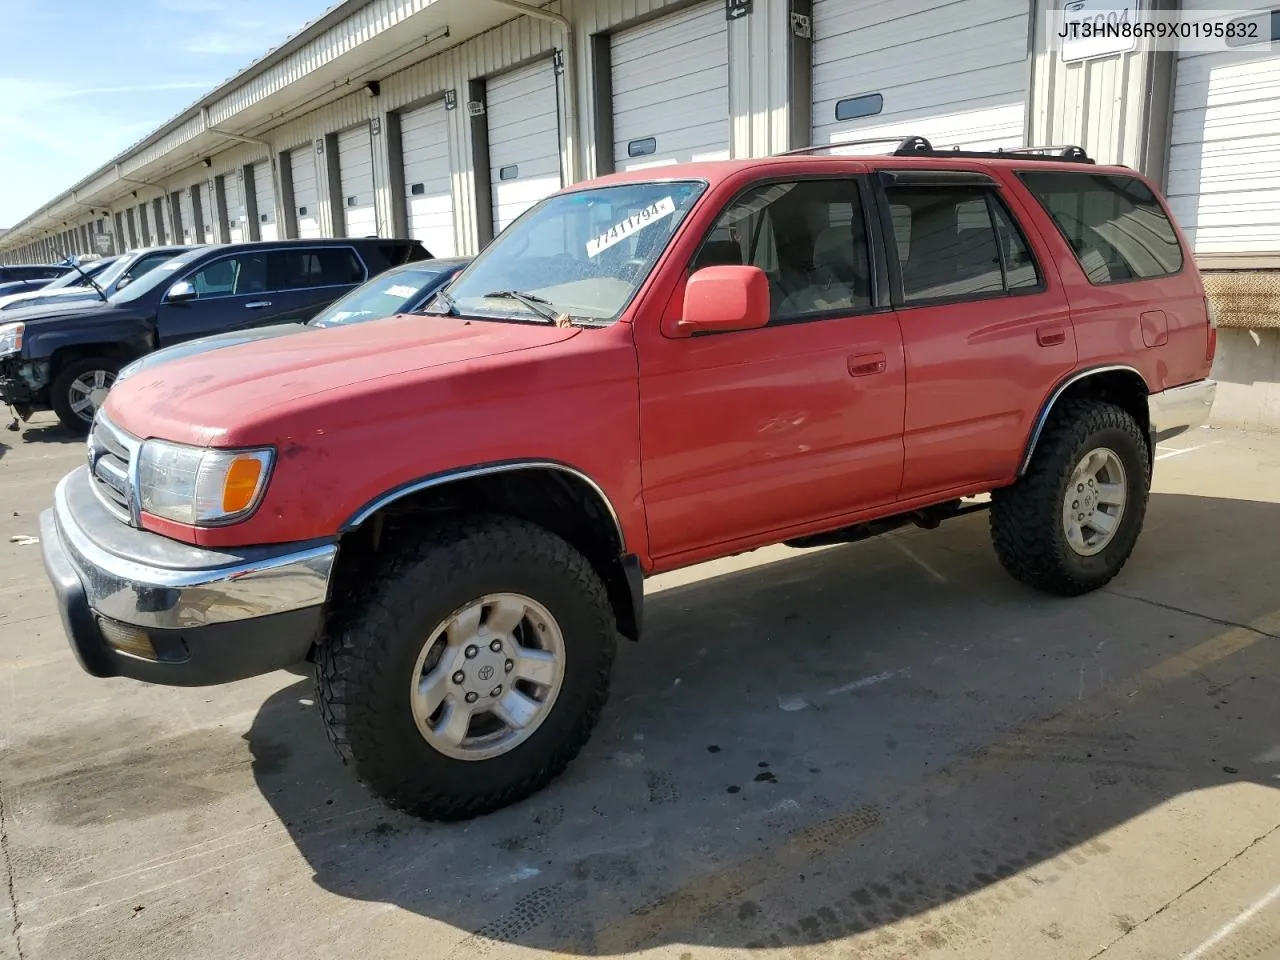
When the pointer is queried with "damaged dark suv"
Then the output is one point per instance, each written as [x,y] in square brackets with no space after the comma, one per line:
[66,358]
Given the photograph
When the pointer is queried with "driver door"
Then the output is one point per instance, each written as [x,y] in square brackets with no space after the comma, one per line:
[751,433]
[232,293]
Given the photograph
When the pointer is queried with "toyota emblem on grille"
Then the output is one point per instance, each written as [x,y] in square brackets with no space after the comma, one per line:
[486,672]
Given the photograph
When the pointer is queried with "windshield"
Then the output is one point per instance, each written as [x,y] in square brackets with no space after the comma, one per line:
[74,279]
[384,295]
[585,253]
[161,276]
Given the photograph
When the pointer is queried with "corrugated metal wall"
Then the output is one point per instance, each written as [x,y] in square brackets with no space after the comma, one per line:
[1116,107]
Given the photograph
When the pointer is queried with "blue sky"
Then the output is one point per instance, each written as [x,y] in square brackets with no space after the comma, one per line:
[80,80]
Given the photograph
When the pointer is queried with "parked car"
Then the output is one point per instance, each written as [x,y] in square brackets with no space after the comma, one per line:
[23,277]
[403,289]
[108,275]
[453,517]
[71,280]
[67,357]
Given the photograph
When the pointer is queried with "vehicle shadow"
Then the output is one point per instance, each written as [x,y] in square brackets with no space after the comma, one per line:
[834,744]
[50,433]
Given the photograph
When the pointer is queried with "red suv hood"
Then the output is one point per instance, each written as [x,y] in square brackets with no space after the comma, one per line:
[201,399]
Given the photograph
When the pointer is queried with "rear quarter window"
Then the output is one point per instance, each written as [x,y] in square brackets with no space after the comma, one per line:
[1114,224]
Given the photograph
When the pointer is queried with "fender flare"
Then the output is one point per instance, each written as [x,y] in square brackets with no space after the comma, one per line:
[1055,395]
[482,470]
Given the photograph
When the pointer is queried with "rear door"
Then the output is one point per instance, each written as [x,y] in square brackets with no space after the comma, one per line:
[985,325]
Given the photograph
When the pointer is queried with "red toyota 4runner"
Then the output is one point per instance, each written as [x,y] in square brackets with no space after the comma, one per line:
[452,515]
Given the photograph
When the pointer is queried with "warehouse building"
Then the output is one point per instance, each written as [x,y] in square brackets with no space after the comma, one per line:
[443,120]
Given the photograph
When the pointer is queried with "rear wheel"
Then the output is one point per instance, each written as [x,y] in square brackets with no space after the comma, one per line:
[80,388]
[1070,523]
[471,670]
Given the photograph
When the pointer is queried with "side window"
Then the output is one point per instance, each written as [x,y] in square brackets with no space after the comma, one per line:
[1019,265]
[340,266]
[957,242]
[218,279]
[1113,223]
[147,264]
[234,276]
[321,267]
[808,237]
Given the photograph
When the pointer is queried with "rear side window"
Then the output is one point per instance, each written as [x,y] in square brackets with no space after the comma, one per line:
[1114,224]
[398,253]
[957,242]
[323,267]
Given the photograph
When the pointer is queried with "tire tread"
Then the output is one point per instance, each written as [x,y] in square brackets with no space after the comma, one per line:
[357,647]
[1023,535]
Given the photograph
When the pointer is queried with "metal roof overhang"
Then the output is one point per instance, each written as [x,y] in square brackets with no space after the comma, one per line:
[332,57]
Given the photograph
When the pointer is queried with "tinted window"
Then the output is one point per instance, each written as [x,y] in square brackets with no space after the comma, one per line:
[147,264]
[234,276]
[957,242]
[810,240]
[1114,224]
[298,269]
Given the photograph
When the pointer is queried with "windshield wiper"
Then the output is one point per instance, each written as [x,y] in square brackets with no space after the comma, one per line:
[538,305]
[87,279]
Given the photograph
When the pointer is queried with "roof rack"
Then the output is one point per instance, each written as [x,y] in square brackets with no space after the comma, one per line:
[916,146]
[910,144]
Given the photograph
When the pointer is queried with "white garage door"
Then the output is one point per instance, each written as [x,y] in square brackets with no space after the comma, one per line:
[355,163]
[264,196]
[1224,160]
[671,90]
[523,107]
[302,165]
[208,210]
[428,186]
[233,188]
[188,216]
[955,73]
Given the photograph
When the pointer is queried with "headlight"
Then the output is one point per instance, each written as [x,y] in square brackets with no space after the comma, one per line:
[11,338]
[198,486]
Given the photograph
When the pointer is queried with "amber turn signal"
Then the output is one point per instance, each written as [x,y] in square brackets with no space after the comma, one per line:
[241,485]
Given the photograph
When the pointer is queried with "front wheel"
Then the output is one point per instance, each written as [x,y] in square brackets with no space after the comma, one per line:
[471,670]
[1070,523]
[80,388]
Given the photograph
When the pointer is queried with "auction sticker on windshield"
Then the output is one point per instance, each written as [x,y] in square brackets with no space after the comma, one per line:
[401,290]
[633,224]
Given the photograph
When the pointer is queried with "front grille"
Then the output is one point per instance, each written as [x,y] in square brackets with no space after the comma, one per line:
[111,454]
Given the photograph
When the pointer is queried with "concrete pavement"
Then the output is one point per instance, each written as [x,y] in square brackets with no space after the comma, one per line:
[886,749]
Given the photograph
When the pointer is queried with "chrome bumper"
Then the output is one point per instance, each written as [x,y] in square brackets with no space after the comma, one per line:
[1179,409]
[141,578]
[209,616]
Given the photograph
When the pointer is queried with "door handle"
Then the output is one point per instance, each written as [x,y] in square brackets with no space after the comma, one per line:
[1051,336]
[257,304]
[867,364]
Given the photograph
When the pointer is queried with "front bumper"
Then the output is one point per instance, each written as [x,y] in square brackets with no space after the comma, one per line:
[14,390]
[1180,409]
[136,604]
